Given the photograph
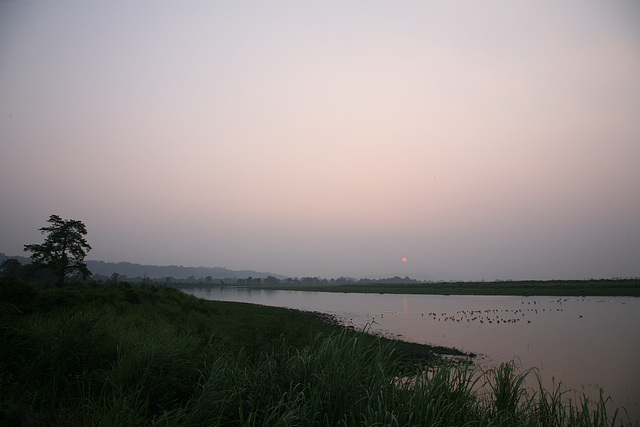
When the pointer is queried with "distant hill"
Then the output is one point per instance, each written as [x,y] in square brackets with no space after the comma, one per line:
[175,271]
[132,270]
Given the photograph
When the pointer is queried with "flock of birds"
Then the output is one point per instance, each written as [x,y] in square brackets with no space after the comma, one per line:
[490,316]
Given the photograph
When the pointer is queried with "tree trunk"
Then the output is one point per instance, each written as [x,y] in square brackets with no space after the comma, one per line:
[61,278]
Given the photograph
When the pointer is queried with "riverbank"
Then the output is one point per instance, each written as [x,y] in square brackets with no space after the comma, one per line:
[603,287]
[123,355]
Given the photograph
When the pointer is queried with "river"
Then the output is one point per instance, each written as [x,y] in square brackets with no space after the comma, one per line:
[588,343]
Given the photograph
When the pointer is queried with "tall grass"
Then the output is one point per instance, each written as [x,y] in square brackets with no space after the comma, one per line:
[154,356]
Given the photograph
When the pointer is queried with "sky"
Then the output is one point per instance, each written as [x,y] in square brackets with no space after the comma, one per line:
[491,140]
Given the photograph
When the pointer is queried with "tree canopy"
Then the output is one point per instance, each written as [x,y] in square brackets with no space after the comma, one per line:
[64,248]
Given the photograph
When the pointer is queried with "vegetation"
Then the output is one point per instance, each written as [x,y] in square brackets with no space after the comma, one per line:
[146,355]
[602,287]
[63,250]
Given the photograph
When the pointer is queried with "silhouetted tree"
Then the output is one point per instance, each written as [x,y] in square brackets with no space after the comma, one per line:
[63,250]
[270,280]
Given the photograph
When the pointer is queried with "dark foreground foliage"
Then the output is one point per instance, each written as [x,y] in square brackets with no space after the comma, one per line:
[121,355]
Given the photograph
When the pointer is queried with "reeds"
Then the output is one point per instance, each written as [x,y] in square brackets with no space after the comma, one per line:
[149,356]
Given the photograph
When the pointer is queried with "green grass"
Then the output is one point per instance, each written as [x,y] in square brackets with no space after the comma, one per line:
[604,287]
[120,355]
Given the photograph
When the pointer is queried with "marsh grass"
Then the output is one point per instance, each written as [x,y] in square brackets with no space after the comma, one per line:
[155,356]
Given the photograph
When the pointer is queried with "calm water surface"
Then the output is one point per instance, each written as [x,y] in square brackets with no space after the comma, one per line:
[586,342]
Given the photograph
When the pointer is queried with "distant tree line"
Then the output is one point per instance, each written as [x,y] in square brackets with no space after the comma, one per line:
[37,273]
[21,268]
[60,260]
[176,272]
[309,281]
[16,267]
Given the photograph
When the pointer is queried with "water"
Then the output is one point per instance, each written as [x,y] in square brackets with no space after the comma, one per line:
[588,343]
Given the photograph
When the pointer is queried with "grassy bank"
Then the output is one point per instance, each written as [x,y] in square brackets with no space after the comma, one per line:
[604,287]
[121,355]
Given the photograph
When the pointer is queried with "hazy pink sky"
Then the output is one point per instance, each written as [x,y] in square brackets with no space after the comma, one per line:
[480,140]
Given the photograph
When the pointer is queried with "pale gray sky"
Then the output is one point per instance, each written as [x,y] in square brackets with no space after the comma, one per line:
[492,140]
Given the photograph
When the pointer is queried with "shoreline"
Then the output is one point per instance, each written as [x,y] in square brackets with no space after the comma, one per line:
[575,288]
